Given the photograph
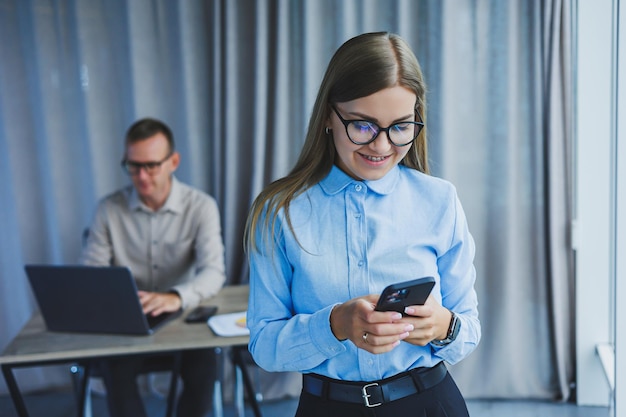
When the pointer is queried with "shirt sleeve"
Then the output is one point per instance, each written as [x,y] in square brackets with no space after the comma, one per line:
[458,275]
[305,339]
[209,273]
[97,248]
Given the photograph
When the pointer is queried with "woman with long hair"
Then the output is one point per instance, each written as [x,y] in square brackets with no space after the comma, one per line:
[358,212]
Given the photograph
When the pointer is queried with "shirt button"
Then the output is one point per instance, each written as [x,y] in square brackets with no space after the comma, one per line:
[155,266]
[361,263]
[358,187]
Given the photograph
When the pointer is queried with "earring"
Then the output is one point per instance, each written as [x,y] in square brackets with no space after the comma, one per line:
[327,130]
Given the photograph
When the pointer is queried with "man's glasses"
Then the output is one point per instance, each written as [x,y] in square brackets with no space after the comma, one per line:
[362,132]
[151,168]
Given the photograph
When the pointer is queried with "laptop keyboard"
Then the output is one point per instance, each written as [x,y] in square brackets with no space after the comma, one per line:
[155,321]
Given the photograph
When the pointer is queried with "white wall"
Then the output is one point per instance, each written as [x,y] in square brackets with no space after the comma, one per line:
[620,225]
[594,123]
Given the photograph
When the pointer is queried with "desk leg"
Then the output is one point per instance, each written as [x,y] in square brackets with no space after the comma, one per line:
[218,397]
[16,395]
[247,382]
[238,392]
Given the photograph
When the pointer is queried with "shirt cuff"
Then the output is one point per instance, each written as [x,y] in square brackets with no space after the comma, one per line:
[322,335]
[185,301]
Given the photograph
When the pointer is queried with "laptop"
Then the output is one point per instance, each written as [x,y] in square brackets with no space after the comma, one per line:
[91,299]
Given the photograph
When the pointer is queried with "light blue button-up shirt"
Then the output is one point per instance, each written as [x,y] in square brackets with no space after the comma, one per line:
[353,238]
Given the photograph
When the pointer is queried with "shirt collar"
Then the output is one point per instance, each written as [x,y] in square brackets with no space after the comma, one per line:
[173,203]
[337,180]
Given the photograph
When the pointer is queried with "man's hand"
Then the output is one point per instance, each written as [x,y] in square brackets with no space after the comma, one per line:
[155,303]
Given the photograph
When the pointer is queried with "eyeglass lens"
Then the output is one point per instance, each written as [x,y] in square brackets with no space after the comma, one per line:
[133,168]
[362,132]
[399,133]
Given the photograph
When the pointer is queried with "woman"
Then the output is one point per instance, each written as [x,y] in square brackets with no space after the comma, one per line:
[359,212]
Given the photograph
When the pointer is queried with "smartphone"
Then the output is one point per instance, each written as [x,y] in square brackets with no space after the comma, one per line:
[200,314]
[396,297]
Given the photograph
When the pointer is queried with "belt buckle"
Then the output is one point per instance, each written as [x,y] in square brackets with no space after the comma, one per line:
[366,396]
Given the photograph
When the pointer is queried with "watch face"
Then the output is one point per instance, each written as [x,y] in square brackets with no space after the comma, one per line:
[456,325]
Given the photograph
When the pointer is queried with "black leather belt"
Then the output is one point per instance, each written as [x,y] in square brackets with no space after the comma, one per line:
[375,393]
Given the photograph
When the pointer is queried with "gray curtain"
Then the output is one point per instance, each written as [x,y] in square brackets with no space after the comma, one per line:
[236,81]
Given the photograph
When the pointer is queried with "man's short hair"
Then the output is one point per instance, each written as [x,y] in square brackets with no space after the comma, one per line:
[146,128]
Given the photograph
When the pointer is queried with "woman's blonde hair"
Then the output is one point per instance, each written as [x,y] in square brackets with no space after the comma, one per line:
[360,67]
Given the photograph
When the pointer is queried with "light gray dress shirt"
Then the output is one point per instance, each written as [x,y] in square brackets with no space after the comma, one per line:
[176,248]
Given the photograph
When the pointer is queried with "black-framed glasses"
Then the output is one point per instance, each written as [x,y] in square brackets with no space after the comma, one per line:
[362,132]
[151,168]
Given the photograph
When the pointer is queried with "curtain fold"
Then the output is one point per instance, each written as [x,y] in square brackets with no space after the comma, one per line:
[236,81]
[558,100]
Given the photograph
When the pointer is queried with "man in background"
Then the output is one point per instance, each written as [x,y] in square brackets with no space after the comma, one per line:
[169,235]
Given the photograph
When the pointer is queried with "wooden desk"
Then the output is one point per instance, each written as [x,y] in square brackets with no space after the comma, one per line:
[34,345]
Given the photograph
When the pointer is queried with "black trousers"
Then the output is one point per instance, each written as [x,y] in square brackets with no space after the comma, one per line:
[442,400]
[198,372]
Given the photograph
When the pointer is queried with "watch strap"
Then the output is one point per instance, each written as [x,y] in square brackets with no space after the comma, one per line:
[453,331]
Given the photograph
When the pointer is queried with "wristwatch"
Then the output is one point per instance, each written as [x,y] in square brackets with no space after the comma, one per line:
[453,331]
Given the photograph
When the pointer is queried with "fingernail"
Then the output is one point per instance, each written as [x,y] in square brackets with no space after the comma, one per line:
[396,316]
[409,328]
[409,310]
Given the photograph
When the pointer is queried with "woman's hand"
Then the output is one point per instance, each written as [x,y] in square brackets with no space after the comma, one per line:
[430,321]
[374,331]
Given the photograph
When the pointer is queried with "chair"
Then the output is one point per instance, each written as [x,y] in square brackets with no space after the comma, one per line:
[83,371]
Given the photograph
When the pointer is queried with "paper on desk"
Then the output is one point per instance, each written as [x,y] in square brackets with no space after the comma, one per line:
[231,324]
